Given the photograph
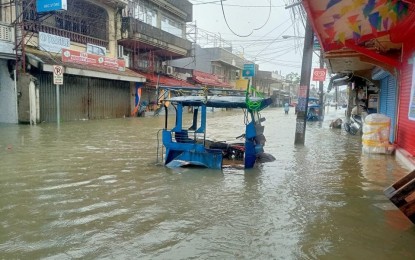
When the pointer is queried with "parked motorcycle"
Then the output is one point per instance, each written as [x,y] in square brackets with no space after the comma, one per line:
[355,124]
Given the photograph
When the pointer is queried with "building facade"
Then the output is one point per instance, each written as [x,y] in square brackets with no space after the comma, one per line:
[153,34]
[225,65]
[8,95]
[83,41]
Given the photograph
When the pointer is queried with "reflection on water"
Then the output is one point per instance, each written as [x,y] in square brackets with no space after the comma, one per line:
[92,189]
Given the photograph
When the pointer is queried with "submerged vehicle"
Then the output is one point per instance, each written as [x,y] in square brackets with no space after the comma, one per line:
[190,147]
[355,125]
[313,109]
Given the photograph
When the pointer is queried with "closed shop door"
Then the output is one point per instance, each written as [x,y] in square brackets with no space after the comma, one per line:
[388,102]
[383,95]
[108,98]
[83,98]
[391,105]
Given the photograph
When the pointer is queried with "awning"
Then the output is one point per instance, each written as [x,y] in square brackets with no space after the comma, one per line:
[45,62]
[207,79]
[154,79]
[370,32]
[339,80]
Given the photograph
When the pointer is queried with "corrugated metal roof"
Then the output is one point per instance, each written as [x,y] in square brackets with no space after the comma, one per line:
[152,79]
[208,79]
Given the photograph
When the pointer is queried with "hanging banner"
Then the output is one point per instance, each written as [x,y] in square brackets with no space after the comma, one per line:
[90,59]
[411,112]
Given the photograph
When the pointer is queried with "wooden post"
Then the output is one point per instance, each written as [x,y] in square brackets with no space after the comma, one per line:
[402,195]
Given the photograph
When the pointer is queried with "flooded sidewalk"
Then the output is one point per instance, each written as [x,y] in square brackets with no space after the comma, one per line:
[93,189]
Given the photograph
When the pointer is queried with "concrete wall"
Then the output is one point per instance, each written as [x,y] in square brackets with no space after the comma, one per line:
[201,61]
[24,99]
[8,113]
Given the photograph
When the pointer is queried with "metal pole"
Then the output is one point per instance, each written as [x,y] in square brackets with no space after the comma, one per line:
[58,110]
[304,82]
[320,88]
[337,99]
[15,93]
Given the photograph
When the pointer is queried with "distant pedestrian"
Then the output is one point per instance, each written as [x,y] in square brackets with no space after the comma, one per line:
[286,108]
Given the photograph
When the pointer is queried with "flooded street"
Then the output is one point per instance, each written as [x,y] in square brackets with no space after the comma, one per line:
[93,189]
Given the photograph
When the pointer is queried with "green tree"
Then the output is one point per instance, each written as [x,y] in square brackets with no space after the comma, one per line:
[293,77]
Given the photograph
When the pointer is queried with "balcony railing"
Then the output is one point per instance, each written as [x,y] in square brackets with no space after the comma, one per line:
[75,37]
[148,32]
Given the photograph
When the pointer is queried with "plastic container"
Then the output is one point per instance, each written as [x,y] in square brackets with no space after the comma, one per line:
[376,130]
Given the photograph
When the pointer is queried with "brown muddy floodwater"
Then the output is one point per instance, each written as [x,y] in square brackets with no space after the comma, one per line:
[93,190]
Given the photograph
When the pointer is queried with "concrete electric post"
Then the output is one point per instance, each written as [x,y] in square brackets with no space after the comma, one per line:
[304,85]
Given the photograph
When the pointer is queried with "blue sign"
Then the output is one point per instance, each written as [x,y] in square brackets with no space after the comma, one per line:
[51,5]
[249,70]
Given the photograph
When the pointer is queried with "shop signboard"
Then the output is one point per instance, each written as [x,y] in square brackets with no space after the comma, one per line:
[51,5]
[89,59]
[53,43]
[249,70]
[319,74]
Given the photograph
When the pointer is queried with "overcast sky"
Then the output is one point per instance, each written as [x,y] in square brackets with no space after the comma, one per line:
[265,26]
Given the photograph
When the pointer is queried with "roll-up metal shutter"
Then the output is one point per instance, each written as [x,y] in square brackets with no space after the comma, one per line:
[391,105]
[83,98]
[108,98]
[383,96]
[387,97]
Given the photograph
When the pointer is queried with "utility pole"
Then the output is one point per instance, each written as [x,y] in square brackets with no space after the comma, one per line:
[304,85]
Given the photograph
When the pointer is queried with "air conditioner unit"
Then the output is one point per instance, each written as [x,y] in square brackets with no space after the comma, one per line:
[120,51]
[127,60]
[169,70]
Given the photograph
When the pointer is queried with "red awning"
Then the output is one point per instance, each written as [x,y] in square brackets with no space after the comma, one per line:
[204,78]
[152,79]
[47,60]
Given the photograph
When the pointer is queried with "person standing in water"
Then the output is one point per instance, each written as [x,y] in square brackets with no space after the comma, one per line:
[286,108]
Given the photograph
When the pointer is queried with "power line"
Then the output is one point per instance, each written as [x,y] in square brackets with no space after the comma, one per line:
[252,31]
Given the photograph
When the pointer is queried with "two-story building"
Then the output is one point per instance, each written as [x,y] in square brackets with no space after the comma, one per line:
[94,43]
[82,39]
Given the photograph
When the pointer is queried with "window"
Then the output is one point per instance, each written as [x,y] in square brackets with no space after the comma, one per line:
[95,49]
[171,26]
[144,13]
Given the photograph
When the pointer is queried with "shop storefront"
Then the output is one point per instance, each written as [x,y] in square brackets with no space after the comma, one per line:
[88,92]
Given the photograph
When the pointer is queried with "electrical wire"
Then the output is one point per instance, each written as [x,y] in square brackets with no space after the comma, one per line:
[252,31]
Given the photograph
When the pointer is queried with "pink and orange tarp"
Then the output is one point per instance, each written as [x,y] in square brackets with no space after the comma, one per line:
[339,21]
